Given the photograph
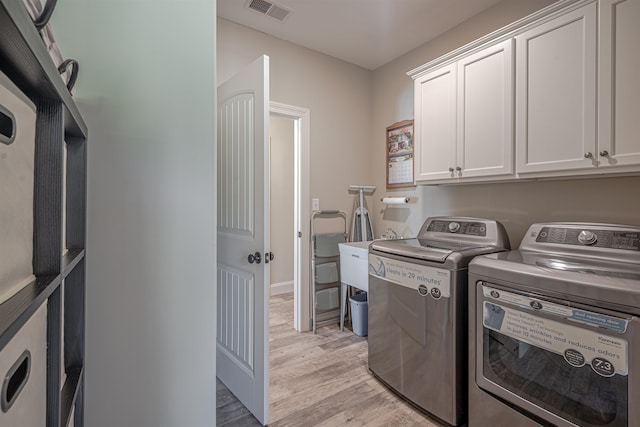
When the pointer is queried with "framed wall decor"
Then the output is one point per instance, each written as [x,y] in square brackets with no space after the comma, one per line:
[400,155]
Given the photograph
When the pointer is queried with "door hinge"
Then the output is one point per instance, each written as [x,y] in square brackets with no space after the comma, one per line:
[299,233]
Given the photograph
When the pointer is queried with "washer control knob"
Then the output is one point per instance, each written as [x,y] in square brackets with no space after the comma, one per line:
[587,237]
[454,227]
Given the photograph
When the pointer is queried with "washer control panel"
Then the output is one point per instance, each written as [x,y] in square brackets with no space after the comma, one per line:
[458,227]
[608,239]
[587,237]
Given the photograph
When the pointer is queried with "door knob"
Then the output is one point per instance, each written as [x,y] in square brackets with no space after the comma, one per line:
[604,153]
[254,258]
[588,155]
[451,170]
[268,256]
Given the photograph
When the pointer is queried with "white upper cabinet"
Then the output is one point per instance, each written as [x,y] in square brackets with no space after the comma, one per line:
[556,94]
[619,105]
[464,117]
[435,124]
[552,95]
[485,112]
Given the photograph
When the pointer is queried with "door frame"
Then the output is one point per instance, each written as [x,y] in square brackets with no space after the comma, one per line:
[301,203]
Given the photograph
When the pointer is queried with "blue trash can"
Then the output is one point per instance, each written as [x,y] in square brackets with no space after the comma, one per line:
[360,314]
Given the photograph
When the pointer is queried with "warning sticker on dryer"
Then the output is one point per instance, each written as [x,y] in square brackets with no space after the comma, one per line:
[426,280]
[606,355]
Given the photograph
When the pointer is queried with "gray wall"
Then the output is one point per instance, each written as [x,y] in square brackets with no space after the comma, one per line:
[516,204]
[337,94]
[147,92]
[282,180]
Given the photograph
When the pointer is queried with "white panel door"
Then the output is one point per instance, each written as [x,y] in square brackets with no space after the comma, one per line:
[619,114]
[556,94]
[242,356]
[435,124]
[485,112]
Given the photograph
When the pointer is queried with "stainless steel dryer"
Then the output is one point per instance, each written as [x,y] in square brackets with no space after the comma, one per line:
[418,311]
[554,334]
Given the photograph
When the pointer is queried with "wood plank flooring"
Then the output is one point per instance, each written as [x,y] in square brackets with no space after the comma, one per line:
[230,412]
[321,380]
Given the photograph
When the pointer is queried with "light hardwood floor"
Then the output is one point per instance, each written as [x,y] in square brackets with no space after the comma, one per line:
[323,379]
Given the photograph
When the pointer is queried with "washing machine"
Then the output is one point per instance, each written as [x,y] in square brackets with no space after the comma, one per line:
[554,334]
[418,311]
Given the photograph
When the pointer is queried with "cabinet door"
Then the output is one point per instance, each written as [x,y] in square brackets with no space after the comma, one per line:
[435,124]
[619,114]
[556,94]
[485,112]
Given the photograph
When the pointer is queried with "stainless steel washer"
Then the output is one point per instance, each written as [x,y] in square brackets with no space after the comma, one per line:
[418,311]
[554,334]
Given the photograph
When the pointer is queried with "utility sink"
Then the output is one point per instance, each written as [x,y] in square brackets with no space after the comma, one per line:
[354,271]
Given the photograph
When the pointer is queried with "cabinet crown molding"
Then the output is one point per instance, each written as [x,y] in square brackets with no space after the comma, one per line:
[508,31]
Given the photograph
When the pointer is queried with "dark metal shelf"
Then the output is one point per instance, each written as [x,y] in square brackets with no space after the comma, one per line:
[69,393]
[25,60]
[70,260]
[17,310]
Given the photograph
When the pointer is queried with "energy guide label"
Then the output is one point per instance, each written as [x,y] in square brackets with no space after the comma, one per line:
[606,355]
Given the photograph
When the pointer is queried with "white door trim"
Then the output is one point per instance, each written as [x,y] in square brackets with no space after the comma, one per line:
[301,280]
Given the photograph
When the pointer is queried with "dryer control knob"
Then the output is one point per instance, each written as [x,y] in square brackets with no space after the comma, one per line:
[587,237]
[454,227]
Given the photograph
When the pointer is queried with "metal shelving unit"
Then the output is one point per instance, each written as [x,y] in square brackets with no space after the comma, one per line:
[325,268]
[60,277]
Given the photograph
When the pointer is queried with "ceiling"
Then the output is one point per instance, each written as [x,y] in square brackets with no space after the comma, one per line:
[368,33]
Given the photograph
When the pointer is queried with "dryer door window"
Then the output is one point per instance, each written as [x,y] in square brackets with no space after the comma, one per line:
[551,367]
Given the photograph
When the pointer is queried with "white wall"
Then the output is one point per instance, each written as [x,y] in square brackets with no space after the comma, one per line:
[147,91]
[338,95]
[282,191]
[517,204]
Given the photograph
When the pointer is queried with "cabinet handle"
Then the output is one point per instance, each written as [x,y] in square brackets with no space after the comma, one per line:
[588,155]
[74,72]
[604,153]
[458,168]
[451,170]
[15,380]
[47,10]
[7,126]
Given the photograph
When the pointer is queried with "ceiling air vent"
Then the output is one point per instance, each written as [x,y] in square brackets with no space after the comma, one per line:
[270,9]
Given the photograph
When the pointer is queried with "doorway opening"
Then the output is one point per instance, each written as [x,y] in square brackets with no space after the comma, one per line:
[299,229]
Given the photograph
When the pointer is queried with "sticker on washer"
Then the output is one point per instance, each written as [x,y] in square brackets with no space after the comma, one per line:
[596,319]
[606,355]
[426,280]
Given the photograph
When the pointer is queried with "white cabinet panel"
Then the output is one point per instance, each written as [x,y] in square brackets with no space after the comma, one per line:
[557,97]
[485,112]
[464,117]
[556,93]
[435,124]
[619,114]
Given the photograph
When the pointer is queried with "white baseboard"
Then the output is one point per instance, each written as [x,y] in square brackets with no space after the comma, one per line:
[281,288]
